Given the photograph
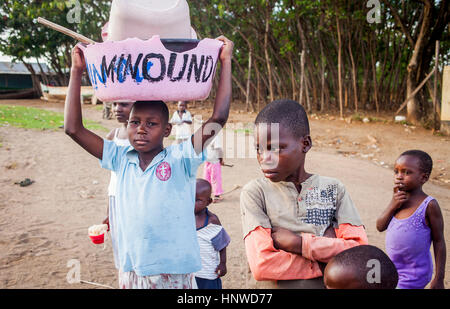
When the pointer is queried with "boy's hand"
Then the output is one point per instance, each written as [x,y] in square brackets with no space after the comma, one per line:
[286,240]
[221,269]
[202,137]
[106,221]
[78,62]
[226,53]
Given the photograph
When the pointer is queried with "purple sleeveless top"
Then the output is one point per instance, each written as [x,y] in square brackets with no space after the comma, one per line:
[408,244]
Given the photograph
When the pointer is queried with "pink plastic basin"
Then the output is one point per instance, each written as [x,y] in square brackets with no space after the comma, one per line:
[136,70]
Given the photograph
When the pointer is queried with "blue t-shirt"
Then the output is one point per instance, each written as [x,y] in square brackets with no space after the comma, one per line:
[155,209]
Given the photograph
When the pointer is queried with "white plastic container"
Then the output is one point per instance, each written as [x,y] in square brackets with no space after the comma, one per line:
[144,18]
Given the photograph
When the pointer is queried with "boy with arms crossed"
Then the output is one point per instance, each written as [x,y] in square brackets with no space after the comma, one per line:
[293,220]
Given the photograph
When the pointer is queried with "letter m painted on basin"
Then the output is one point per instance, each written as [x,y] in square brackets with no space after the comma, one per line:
[108,70]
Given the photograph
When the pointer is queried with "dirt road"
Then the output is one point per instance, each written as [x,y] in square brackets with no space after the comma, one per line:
[43,227]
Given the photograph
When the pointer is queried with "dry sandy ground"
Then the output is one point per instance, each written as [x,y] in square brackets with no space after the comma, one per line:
[44,226]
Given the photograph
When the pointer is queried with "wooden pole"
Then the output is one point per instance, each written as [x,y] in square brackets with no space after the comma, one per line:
[302,75]
[96,284]
[66,31]
[436,68]
[414,92]
[341,108]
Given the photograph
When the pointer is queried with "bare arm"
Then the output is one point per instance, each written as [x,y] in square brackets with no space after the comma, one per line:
[397,201]
[219,117]
[221,269]
[436,223]
[73,122]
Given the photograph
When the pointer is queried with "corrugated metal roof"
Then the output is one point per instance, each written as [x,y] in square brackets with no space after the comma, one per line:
[19,68]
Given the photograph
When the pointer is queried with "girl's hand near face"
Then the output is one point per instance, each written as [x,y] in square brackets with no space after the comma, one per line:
[399,197]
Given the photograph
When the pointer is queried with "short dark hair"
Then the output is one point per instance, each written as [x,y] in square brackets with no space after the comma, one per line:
[357,259]
[158,105]
[203,184]
[288,113]
[425,161]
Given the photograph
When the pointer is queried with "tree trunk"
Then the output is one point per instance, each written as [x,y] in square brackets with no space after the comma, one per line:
[249,75]
[322,73]
[302,76]
[414,73]
[258,88]
[341,109]
[429,29]
[34,79]
[374,76]
[43,74]
[355,89]
[266,53]
[294,88]
[308,103]
[364,88]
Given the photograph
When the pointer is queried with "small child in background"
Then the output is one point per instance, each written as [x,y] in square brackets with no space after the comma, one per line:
[119,136]
[212,170]
[181,121]
[413,221]
[361,267]
[212,238]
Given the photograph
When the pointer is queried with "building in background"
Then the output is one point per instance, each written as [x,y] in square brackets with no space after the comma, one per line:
[16,81]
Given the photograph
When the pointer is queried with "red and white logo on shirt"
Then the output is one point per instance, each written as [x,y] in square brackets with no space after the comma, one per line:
[163,171]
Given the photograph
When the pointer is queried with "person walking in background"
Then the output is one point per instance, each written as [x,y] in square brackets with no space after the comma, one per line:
[181,121]
[212,171]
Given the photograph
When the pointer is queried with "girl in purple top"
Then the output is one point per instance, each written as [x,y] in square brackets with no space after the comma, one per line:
[413,221]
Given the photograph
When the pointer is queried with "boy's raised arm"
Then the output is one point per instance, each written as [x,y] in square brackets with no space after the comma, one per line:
[73,122]
[222,103]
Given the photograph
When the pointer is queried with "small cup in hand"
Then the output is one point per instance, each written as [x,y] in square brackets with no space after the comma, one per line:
[97,233]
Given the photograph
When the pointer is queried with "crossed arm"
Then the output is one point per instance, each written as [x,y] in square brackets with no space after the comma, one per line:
[278,254]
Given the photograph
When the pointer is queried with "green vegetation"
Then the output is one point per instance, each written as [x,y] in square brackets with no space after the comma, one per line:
[246,131]
[328,55]
[34,118]
[357,117]
[22,37]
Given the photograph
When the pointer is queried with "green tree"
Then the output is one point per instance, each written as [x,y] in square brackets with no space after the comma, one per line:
[429,25]
[21,37]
